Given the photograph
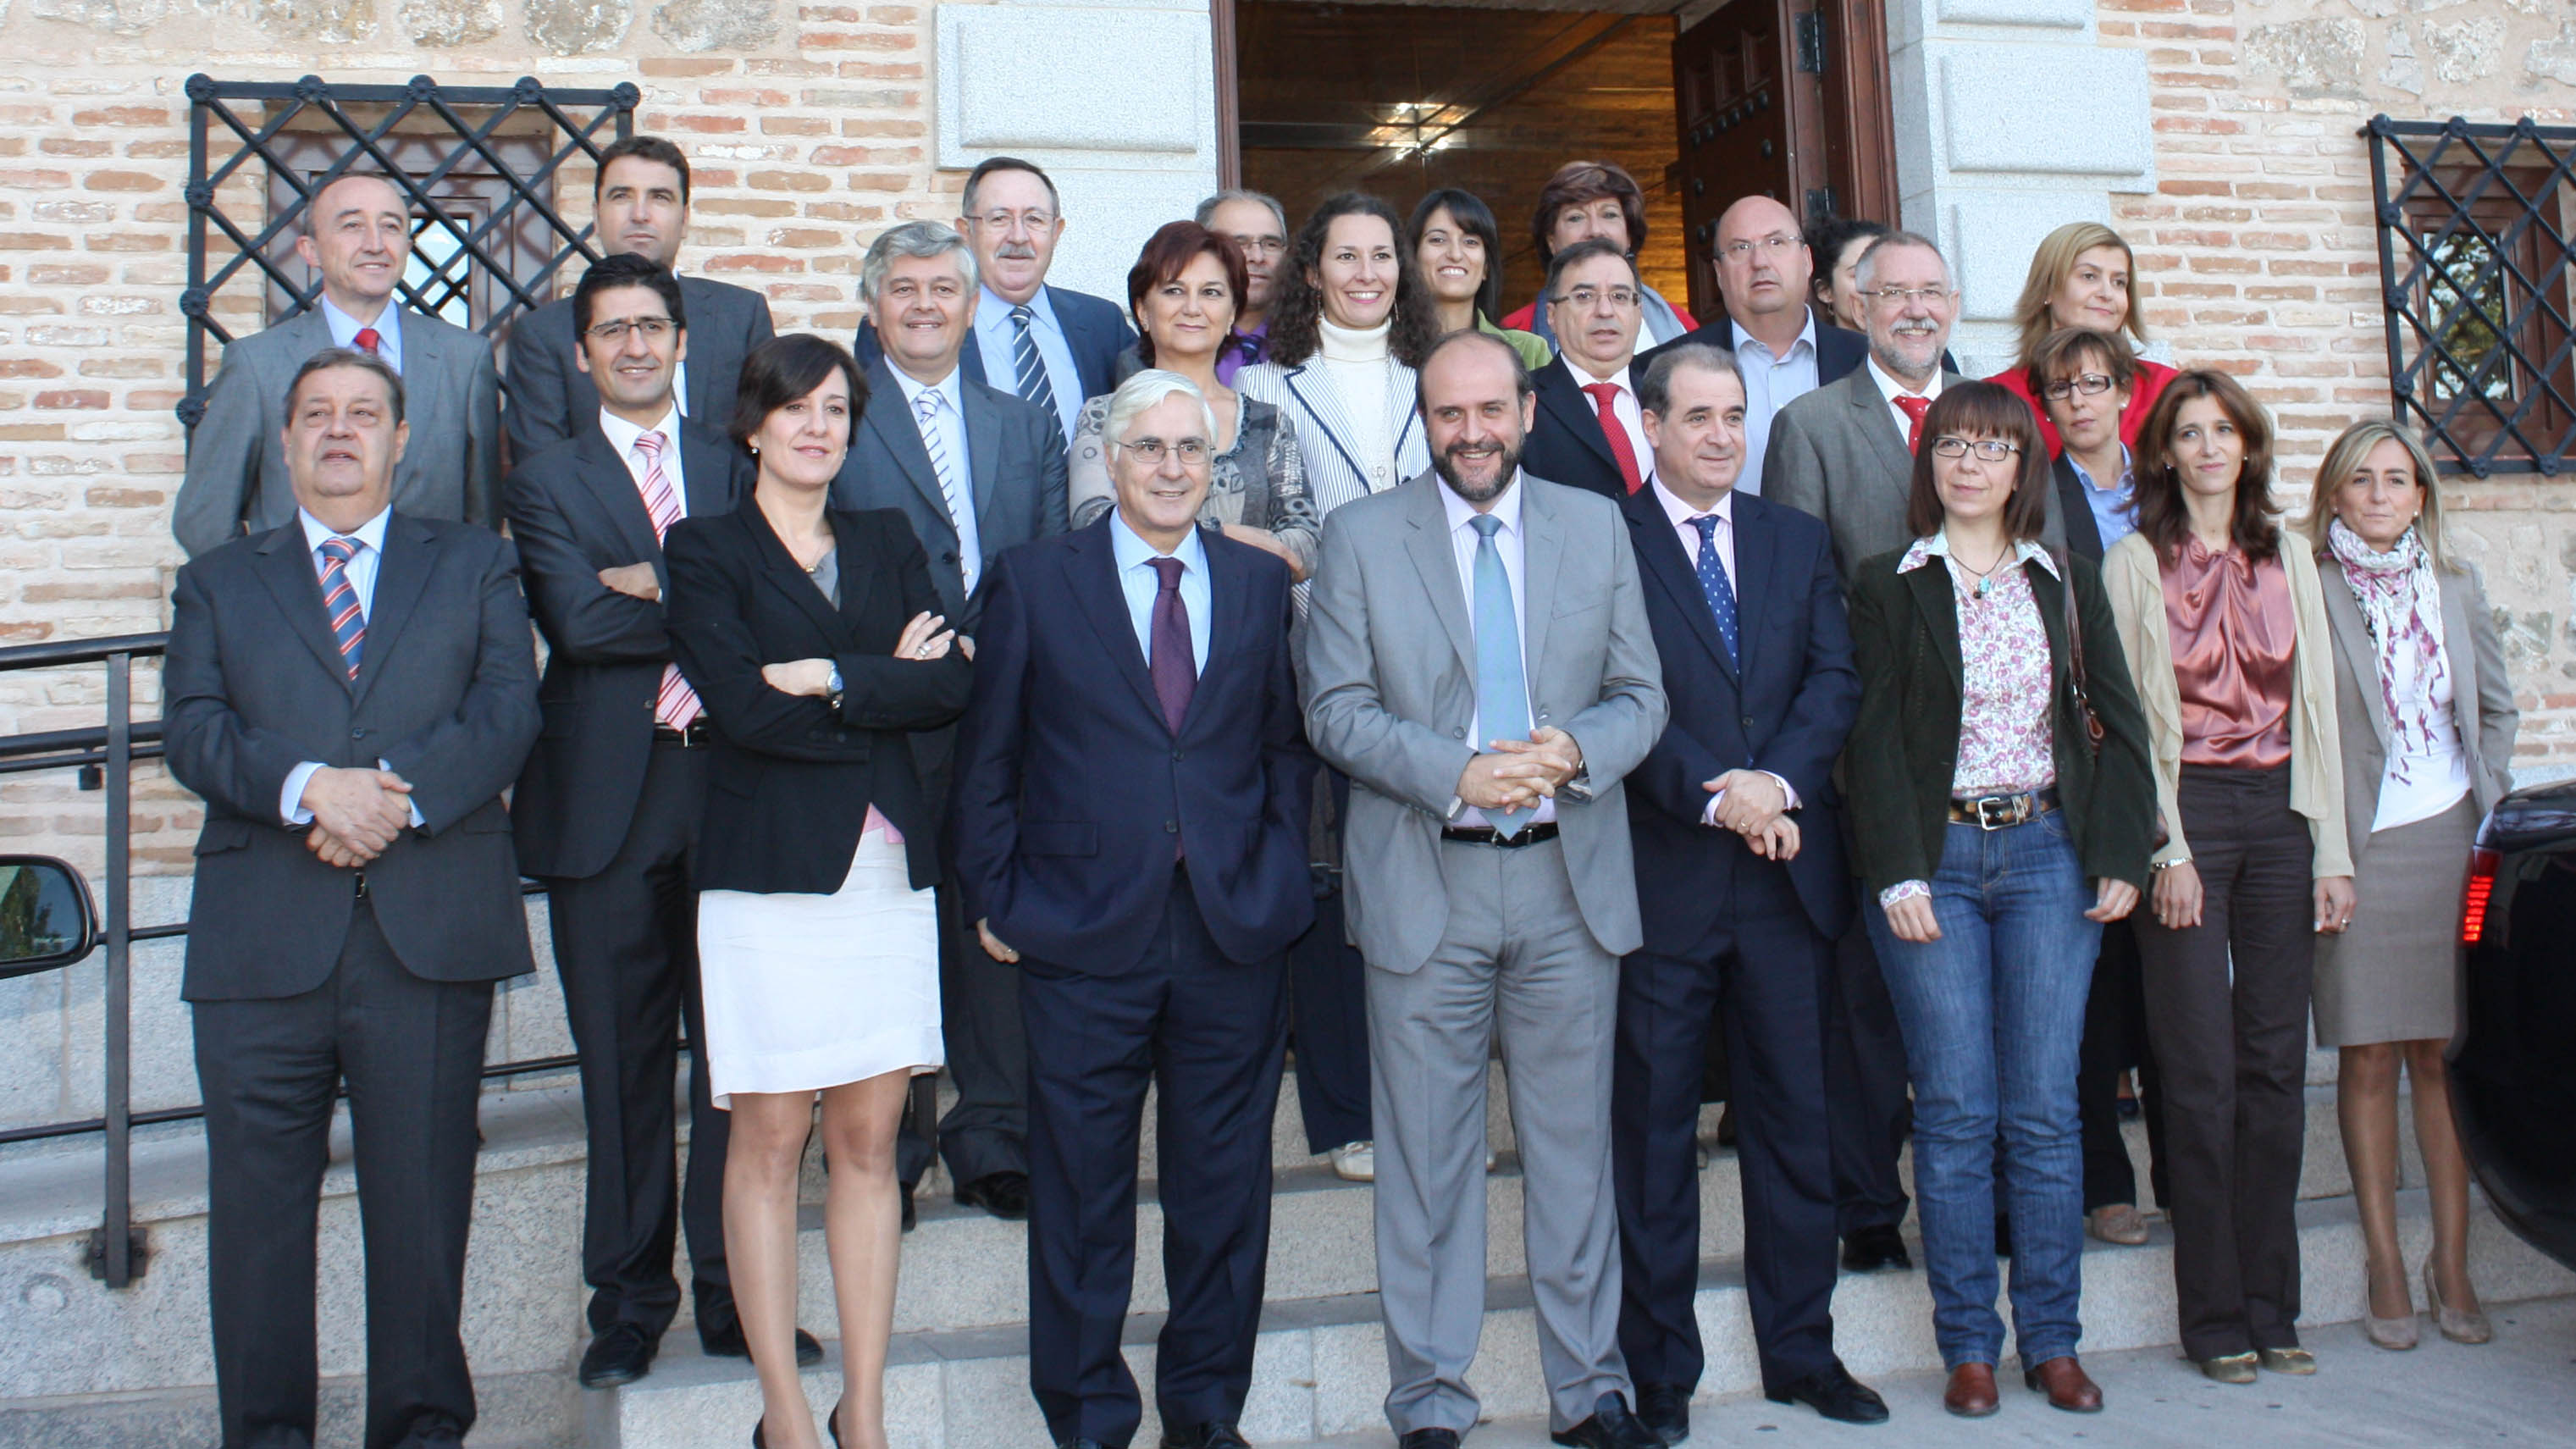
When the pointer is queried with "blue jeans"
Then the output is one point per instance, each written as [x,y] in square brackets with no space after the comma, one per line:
[1993,1015]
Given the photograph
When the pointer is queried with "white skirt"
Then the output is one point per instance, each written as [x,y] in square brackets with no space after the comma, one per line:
[805,992]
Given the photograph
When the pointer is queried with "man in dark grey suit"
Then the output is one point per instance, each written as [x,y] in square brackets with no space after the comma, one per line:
[350,692]
[640,198]
[977,470]
[358,235]
[1479,662]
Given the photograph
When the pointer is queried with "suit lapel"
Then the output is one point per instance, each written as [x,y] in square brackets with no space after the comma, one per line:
[1325,404]
[889,417]
[2083,535]
[789,577]
[2352,636]
[2462,658]
[1228,582]
[286,567]
[1756,540]
[1896,465]
[1560,395]
[983,452]
[606,476]
[857,586]
[1940,608]
[1438,563]
[1091,569]
[1660,556]
[410,555]
[706,470]
[703,302]
[1542,550]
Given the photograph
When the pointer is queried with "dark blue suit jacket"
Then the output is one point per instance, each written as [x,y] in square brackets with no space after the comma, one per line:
[1072,791]
[1095,330]
[1786,708]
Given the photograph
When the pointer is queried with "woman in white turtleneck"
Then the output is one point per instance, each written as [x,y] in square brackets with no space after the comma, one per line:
[1351,319]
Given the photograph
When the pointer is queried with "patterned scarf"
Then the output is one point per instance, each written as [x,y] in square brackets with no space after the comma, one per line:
[2402,605]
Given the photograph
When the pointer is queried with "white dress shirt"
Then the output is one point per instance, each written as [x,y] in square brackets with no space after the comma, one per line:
[1723,536]
[951,422]
[1512,546]
[1771,382]
[361,569]
[1141,582]
[1623,406]
[388,325]
[1890,389]
[997,335]
[622,434]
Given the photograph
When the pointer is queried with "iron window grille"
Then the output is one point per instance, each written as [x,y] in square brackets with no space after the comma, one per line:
[2474,224]
[478,166]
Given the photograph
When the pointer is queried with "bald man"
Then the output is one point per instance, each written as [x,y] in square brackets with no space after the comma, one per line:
[1785,350]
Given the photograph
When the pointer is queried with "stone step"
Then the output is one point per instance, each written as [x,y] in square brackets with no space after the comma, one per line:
[512,1411]
[1320,1366]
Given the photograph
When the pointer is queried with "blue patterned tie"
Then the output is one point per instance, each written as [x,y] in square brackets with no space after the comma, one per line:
[340,599]
[1502,689]
[1713,584]
[1025,360]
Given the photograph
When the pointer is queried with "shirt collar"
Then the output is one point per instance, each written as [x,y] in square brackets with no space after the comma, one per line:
[1745,340]
[1129,549]
[622,434]
[1937,545]
[345,328]
[912,388]
[1682,513]
[1460,511]
[1042,311]
[371,533]
[1890,389]
[2127,463]
[1618,379]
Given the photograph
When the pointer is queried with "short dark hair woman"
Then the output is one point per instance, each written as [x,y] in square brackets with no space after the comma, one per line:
[811,635]
[1459,250]
[2226,636]
[1185,291]
[1587,199]
[1836,243]
[1999,834]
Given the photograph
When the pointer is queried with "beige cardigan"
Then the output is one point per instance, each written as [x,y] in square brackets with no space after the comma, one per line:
[2135,582]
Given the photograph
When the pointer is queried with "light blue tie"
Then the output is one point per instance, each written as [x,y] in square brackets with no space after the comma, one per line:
[1502,689]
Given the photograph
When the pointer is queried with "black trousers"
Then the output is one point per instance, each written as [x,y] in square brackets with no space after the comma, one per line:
[626,946]
[2115,1039]
[1865,1077]
[2233,1047]
[1328,1005]
[1769,969]
[411,1052]
[1209,1032]
[979,1003]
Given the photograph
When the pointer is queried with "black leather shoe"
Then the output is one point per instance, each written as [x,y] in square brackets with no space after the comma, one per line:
[1610,1427]
[725,1340]
[621,1353]
[1871,1249]
[1214,1434]
[1428,1439]
[1665,1409]
[1003,1194]
[1834,1393]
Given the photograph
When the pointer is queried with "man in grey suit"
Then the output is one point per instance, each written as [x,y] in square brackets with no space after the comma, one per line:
[978,471]
[1480,664]
[640,200]
[358,235]
[350,693]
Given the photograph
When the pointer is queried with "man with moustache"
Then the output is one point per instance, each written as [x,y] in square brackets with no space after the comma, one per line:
[357,234]
[639,206]
[1782,349]
[1051,346]
[1589,432]
[1490,886]
[1741,888]
[1259,225]
[979,471]
[1131,834]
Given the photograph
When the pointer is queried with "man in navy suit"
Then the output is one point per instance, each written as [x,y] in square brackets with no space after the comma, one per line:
[1741,890]
[1589,431]
[1130,826]
[1052,346]
[1783,350]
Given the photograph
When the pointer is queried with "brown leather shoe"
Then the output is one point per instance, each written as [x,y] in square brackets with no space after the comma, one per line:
[1972,1391]
[2067,1385]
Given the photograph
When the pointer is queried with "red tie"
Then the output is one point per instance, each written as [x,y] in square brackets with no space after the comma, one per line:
[1914,408]
[1604,394]
[368,339]
[675,706]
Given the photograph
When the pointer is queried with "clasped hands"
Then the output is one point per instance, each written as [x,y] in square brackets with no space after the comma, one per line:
[1517,774]
[923,639]
[1913,919]
[356,814]
[1755,806]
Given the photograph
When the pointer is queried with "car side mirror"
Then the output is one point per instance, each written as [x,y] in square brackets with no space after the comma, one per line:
[46,918]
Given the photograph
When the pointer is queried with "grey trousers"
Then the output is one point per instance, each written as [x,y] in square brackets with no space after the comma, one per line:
[1516,959]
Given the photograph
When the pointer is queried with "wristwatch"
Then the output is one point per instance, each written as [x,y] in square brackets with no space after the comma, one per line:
[834,685]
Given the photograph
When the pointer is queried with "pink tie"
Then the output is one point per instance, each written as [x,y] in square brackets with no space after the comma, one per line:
[676,707]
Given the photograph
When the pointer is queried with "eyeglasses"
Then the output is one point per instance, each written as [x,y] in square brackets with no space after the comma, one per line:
[1993,450]
[1901,296]
[1587,298]
[1191,451]
[653,328]
[1776,245]
[1005,222]
[2091,384]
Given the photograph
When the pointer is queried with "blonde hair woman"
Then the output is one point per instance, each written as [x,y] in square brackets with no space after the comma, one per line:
[2426,716]
[2082,275]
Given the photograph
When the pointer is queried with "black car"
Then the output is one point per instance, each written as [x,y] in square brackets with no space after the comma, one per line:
[2513,1070]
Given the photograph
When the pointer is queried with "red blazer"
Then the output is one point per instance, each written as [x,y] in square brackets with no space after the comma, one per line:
[2152,377]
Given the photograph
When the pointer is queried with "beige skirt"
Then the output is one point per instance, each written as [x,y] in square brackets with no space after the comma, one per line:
[805,992]
[2395,975]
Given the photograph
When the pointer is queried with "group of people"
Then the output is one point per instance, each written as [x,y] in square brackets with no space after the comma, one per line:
[1088,699]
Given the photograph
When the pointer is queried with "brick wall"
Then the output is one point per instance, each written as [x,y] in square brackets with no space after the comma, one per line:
[2258,252]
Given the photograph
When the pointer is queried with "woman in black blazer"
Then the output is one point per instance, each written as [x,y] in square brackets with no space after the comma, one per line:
[810,636]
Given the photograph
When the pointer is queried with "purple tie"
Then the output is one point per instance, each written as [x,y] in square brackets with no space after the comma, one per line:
[1174,665]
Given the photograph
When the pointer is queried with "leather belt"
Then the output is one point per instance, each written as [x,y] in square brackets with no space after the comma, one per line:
[693,738]
[1994,812]
[1488,835]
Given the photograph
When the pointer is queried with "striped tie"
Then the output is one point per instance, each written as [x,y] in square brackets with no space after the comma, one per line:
[1025,361]
[340,599]
[676,705]
[925,409]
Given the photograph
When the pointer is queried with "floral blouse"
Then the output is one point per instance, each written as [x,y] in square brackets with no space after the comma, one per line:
[1260,482]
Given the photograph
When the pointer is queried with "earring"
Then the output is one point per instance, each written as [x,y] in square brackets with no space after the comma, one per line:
[754,447]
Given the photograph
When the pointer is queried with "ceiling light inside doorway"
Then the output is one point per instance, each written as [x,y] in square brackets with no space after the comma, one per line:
[1410,127]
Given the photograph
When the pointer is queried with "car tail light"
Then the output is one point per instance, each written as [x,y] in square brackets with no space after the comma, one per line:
[2473,907]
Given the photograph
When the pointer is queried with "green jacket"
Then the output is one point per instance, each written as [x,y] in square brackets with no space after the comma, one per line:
[1905,628]
[1534,351]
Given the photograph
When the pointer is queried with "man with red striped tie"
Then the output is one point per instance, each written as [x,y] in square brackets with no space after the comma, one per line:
[349,692]
[1588,431]
[606,813]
